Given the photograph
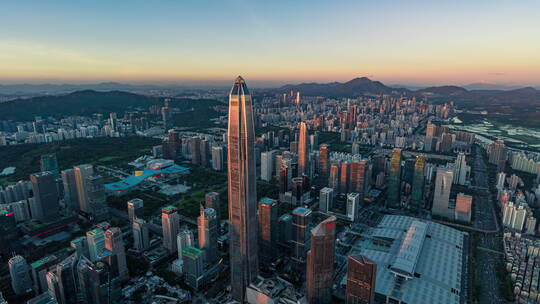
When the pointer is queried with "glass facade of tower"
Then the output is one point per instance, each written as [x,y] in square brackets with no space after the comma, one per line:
[418,183]
[394,183]
[242,191]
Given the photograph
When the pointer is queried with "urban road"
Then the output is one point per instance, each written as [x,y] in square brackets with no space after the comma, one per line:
[489,240]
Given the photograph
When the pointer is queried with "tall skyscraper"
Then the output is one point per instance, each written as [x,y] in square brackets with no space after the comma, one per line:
[461,169]
[96,197]
[170,222]
[463,207]
[441,194]
[141,235]
[212,201]
[193,265]
[66,273]
[394,183]
[267,165]
[324,159]
[333,179]
[303,151]
[353,205]
[301,219]
[326,197]
[20,279]
[417,196]
[360,176]
[49,163]
[195,147]
[217,158]
[71,198]
[45,205]
[268,216]
[208,226]
[96,243]
[184,239]
[320,262]
[135,209]
[115,244]
[82,174]
[345,178]
[242,191]
[497,152]
[361,278]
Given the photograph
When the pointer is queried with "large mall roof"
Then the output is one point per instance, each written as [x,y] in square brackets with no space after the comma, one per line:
[135,179]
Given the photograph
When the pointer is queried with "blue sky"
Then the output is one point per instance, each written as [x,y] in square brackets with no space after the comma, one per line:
[410,42]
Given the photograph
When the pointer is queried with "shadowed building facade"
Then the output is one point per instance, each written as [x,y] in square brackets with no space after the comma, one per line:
[417,196]
[361,277]
[320,262]
[242,191]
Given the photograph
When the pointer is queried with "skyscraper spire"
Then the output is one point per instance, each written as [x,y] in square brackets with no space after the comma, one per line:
[242,191]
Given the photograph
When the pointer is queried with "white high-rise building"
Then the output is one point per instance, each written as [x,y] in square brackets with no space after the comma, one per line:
[501,179]
[326,196]
[267,165]
[461,169]
[441,195]
[353,202]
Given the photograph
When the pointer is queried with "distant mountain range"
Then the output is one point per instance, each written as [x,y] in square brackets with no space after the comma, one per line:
[365,86]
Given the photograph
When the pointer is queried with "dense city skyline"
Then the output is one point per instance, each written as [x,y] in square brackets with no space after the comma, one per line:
[421,42]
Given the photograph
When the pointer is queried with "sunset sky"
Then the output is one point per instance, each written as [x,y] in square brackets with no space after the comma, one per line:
[270,42]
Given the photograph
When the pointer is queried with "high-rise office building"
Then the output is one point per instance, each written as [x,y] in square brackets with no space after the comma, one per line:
[208,228]
[360,177]
[45,205]
[461,169]
[217,158]
[66,274]
[20,280]
[324,159]
[135,209]
[303,151]
[394,181]
[326,198]
[71,198]
[98,284]
[301,219]
[96,243]
[141,235]
[417,195]
[361,278]
[441,194]
[115,244]
[49,163]
[212,201]
[345,177]
[82,175]
[193,265]
[333,178]
[242,191]
[170,222]
[353,205]
[195,147]
[39,270]
[268,217]
[80,245]
[184,239]
[96,197]
[320,262]
[8,233]
[267,165]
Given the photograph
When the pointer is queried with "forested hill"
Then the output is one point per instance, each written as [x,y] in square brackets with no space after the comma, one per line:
[86,103]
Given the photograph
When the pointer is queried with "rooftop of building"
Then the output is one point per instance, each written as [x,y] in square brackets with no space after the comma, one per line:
[191,252]
[302,211]
[418,261]
[267,201]
[168,209]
